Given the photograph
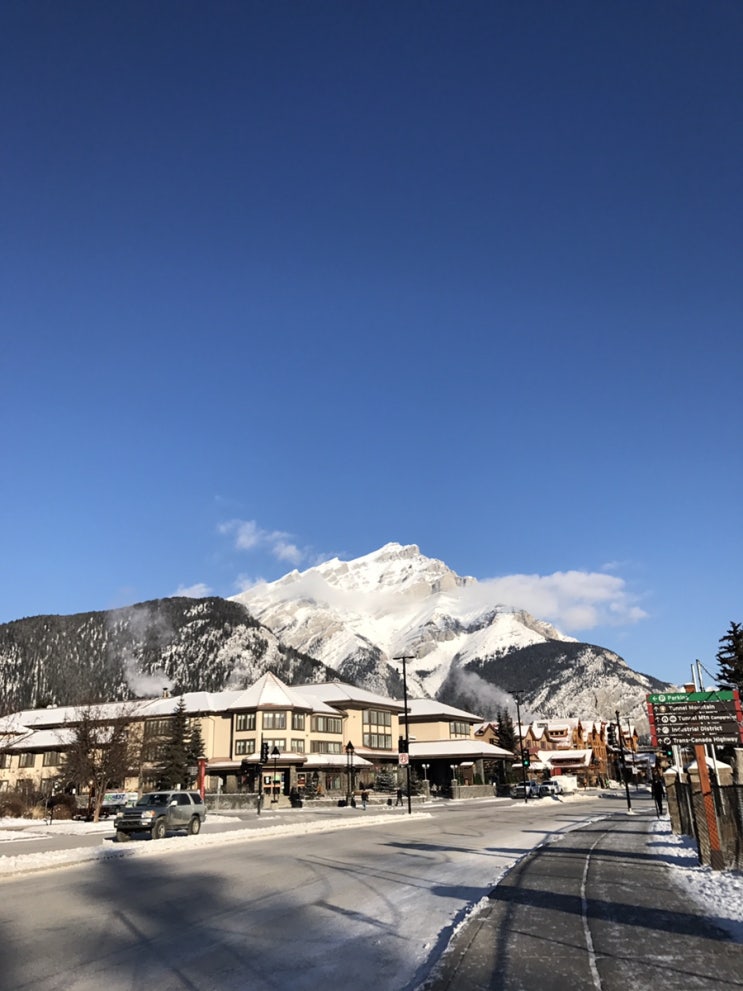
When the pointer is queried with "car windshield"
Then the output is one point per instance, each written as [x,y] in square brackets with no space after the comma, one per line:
[159,798]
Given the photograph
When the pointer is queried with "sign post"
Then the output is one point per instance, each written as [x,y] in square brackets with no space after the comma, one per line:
[694,719]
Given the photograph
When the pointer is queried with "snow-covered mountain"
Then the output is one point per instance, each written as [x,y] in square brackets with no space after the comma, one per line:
[357,616]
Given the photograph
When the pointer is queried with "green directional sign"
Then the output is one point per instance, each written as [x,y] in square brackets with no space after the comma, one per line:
[695,717]
[723,695]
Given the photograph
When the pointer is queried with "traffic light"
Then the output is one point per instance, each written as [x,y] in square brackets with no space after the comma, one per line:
[668,752]
[264,753]
[611,735]
[525,758]
[402,745]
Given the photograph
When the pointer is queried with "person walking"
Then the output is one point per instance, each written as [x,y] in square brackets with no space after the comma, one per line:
[364,798]
[399,797]
[658,793]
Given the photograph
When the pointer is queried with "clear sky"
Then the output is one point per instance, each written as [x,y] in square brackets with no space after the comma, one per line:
[284,281]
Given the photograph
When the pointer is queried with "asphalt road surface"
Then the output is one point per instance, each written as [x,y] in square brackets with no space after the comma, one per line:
[365,908]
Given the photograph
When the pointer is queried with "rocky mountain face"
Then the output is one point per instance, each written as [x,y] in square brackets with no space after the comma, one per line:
[357,616]
[179,643]
[344,620]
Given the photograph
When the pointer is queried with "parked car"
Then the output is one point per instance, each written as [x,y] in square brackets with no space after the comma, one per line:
[531,790]
[549,788]
[159,812]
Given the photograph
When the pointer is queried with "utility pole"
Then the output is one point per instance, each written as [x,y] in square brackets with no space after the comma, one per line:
[517,693]
[404,658]
[622,762]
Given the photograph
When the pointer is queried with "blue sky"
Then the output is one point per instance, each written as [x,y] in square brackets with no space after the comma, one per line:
[284,281]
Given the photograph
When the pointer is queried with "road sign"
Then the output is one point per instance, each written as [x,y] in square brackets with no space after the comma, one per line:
[720,695]
[687,718]
[403,760]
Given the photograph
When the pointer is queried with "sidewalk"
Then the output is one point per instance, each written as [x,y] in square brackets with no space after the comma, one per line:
[595,911]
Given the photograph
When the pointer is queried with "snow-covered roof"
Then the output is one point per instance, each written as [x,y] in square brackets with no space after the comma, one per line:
[339,693]
[43,739]
[269,692]
[430,708]
[553,757]
[195,702]
[461,749]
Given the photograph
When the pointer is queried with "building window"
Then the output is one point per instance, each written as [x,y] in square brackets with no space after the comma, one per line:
[459,729]
[376,733]
[298,746]
[4,760]
[158,727]
[279,744]
[325,747]
[27,760]
[154,753]
[374,718]
[327,724]
[297,720]
[274,720]
[52,758]
[244,721]
[244,747]
[378,741]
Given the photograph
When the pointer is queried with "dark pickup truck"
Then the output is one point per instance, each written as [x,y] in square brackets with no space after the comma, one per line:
[159,812]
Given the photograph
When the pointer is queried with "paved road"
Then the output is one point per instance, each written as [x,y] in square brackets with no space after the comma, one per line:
[370,907]
[596,911]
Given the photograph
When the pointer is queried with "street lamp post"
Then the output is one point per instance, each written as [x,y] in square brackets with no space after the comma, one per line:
[517,696]
[349,773]
[425,771]
[404,658]
[275,753]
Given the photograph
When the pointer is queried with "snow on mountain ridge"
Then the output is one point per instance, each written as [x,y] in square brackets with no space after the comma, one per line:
[392,601]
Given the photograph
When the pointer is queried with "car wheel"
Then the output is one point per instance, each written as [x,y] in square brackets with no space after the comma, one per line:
[194,826]
[158,830]
[122,837]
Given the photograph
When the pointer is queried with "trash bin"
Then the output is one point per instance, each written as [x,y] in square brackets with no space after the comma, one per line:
[342,803]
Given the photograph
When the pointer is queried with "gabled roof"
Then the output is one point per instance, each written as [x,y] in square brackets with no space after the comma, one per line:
[269,692]
[340,694]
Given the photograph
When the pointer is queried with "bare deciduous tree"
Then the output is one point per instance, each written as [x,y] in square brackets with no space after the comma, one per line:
[103,751]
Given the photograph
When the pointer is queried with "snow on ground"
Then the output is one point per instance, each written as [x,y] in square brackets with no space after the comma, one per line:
[719,893]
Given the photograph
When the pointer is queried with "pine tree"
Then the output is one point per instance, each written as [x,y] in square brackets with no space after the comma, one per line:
[174,773]
[730,657]
[506,731]
[196,747]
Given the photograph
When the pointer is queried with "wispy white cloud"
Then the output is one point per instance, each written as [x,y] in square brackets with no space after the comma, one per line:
[572,600]
[248,536]
[197,591]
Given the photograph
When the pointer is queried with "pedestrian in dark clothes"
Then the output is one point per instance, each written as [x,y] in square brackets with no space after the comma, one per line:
[658,793]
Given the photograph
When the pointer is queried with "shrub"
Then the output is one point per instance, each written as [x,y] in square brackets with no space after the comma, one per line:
[64,806]
[12,805]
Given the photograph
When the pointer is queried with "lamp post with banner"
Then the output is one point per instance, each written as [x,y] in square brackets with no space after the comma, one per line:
[275,753]
[349,773]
